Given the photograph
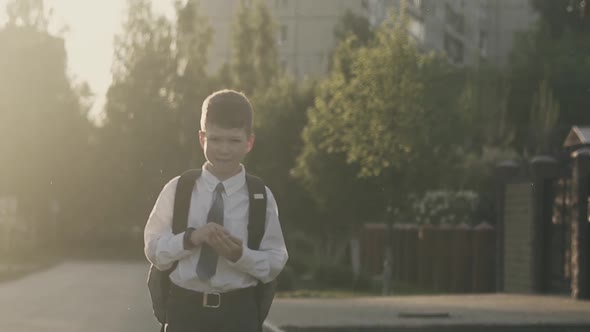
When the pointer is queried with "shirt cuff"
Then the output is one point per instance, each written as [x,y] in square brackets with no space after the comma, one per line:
[247,262]
[176,247]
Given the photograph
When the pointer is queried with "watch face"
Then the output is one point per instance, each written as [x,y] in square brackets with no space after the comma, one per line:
[187,238]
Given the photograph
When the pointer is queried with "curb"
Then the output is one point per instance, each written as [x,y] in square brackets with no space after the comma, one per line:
[271,328]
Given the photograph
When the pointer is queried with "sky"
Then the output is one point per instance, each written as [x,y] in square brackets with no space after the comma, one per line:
[91,26]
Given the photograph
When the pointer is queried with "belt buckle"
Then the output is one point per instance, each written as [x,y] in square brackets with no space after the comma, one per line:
[206,297]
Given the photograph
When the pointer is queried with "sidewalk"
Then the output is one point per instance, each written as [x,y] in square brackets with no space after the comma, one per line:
[431,311]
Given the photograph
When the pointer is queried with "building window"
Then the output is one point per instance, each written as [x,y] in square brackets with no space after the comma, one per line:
[283,35]
[483,43]
[454,19]
[453,48]
[322,57]
[416,29]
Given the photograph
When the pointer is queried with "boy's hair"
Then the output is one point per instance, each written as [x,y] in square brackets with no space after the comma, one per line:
[227,109]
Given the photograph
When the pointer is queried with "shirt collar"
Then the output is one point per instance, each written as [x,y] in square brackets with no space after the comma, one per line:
[231,185]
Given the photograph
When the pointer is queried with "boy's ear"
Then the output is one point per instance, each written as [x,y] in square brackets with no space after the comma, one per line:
[202,139]
[251,142]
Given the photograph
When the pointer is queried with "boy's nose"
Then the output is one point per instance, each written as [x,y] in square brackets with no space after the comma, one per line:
[224,147]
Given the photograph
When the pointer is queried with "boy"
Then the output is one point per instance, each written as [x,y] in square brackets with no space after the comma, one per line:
[212,254]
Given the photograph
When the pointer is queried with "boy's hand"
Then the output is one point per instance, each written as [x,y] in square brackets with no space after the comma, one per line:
[202,234]
[226,245]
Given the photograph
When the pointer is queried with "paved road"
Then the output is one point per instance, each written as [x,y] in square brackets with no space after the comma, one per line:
[434,311]
[110,296]
[78,296]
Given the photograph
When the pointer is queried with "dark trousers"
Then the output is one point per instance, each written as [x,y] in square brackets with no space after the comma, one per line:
[236,312]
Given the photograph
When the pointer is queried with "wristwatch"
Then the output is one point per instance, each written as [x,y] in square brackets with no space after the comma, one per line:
[186,240]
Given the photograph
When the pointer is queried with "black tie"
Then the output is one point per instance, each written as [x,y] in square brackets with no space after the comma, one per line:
[207,264]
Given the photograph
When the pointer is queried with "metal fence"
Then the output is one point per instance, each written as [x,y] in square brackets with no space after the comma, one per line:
[442,258]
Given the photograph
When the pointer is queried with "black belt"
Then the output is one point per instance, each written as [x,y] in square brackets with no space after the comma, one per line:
[212,299]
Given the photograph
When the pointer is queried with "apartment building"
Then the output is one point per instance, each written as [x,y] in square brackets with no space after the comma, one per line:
[468,31]
[305,31]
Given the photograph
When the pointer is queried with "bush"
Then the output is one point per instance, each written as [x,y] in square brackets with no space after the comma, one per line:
[444,207]
[363,283]
[299,264]
[334,276]
[286,280]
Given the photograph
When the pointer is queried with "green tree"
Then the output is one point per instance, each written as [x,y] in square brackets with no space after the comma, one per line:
[194,35]
[486,123]
[351,24]
[27,13]
[43,126]
[342,200]
[555,51]
[544,116]
[279,105]
[242,69]
[151,112]
[254,64]
[388,115]
[278,121]
[384,125]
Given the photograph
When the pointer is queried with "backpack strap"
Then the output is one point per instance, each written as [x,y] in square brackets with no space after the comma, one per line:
[159,281]
[182,199]
[264,292]
[182,203]
[257,210]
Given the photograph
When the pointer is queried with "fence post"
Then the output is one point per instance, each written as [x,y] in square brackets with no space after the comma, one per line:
[412,249]
[544,171]
[505,172]
[425,256]
[484,253]
[442,258]
[462,258]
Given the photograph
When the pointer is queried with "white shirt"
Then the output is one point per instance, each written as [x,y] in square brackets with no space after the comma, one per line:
[162,248]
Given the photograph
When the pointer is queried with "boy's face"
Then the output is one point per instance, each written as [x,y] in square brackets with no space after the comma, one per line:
[225,148]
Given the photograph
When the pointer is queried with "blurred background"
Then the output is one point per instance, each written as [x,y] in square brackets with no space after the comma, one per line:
[371,116]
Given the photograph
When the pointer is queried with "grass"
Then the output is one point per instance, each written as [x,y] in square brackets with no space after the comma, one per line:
[315,291]
[322,293]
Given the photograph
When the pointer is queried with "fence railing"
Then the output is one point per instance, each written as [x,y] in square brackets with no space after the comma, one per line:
[443,258]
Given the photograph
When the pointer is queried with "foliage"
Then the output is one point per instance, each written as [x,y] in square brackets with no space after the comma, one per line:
[254,64]
[151,116]
[444,207]
[553,55]
[387,109]
[43,125]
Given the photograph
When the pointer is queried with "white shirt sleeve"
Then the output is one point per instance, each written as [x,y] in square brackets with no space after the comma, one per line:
[162,248]
[266,263]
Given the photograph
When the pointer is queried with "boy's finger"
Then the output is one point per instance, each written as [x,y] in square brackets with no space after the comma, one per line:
[224,246]
[227,240]
[220,229]
[235,240]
